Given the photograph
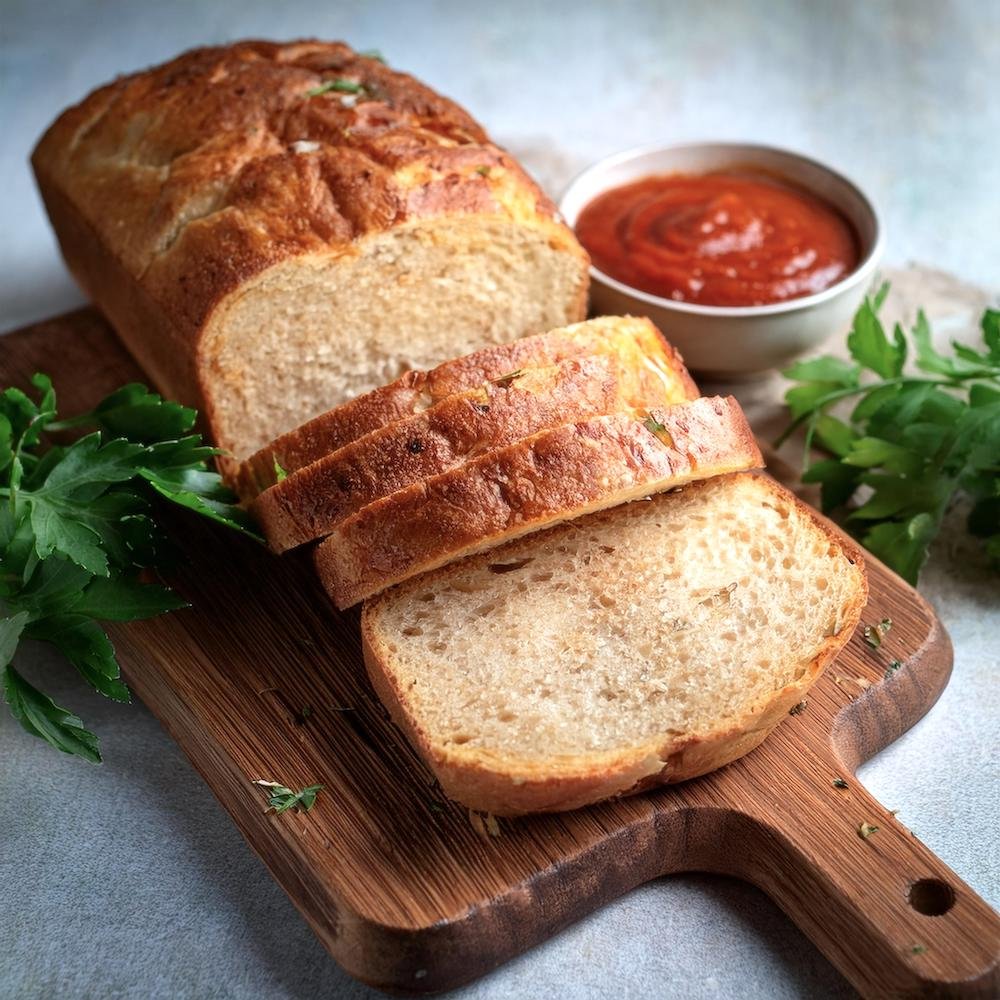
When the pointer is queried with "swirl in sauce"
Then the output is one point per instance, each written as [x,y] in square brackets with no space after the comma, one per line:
[719,239]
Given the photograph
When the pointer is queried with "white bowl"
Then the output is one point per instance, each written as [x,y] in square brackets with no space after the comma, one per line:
[745,340]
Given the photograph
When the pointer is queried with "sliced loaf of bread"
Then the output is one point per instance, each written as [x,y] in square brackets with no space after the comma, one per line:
[641,645]
[552,476]
[311,502]
[635,343]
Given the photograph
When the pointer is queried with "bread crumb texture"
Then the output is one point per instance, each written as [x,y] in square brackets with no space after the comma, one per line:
[619,635]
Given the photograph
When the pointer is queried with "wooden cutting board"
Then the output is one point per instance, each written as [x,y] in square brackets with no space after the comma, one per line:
[262,678]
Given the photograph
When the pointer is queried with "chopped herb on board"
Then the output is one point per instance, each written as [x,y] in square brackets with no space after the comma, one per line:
[865,830]
[912,439]
[798,709]
[839,783]
[280,797]
[892,668]
[872,636]
[918,949]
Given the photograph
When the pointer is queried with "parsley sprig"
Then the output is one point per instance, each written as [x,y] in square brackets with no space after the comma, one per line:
[78,535]
[913,440]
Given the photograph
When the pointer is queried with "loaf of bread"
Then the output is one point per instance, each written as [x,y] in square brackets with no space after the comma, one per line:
[275,228]
[634,343]
[642,645]
[552,476]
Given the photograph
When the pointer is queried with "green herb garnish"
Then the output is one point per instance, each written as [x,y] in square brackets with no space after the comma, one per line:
[280,798]
[339,86]
[914,440]
[798,708]
[865,830]
[839,783]
[874,634]
[892,668]
[279,473]
[483,171]
[77,531]
[372,54]
[918,949]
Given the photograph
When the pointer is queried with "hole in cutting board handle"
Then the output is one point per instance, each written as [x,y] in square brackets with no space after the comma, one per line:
[931,897]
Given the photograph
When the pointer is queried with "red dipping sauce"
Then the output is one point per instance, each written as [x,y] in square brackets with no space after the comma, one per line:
[718,239]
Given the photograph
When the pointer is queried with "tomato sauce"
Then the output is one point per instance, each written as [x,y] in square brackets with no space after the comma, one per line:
[718,239]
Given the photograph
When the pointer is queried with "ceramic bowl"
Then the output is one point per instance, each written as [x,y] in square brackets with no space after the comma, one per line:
[724,340]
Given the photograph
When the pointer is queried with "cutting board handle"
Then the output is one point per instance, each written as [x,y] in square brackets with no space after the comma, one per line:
[885,909]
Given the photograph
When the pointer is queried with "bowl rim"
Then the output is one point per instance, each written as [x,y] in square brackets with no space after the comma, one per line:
[862,272]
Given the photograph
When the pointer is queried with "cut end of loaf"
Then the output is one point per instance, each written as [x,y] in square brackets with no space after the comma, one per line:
[643,359]
[649,643]
[313,332]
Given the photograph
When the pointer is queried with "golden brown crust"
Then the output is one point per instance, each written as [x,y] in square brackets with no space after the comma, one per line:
[508,787]
[191,178]
[552,476]
[311,502]
[658,368]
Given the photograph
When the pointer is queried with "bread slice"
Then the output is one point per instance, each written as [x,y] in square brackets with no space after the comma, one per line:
[310,503]
[551,476]
[632,341]
[639,646]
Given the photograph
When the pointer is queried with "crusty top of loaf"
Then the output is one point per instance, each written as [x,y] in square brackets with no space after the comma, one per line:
[200,173]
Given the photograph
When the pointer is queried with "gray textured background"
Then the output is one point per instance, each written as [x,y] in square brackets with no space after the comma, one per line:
[128,880]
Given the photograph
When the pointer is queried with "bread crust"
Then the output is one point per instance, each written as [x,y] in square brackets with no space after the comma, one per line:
[173,188]
[310,503]
[552,476]
[635,342]
[510,786]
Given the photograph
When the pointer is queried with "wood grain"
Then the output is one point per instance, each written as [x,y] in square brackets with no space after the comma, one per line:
[262,678]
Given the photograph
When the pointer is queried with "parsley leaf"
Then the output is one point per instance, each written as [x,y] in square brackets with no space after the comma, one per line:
[911,441]
[870,347]
[135,413]
[40,716]
[77,536]
[10,632]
